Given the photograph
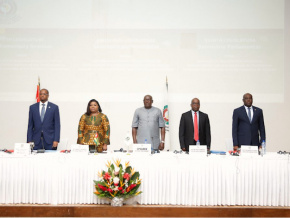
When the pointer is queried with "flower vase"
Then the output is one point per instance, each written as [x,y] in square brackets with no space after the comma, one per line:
[117,202]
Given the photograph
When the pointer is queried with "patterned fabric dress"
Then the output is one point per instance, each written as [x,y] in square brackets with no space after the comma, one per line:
[89,125]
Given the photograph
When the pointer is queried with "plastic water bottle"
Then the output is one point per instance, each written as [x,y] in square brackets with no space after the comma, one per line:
[145,142]
[197,143]
[128,141]
[263,147]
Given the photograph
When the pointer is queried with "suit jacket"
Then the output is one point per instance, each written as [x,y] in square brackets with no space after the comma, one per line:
[246,133]
[186,130]
[50,127]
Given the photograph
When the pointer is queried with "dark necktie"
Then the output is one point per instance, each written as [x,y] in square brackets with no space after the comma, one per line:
[42,112]
[249,114]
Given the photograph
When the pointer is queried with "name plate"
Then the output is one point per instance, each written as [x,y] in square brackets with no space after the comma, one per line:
[22,149]
[142,148]
[249,151]
[79,149]
[200,150]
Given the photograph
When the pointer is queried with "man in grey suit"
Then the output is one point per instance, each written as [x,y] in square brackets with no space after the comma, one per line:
[194,126]
[146,123]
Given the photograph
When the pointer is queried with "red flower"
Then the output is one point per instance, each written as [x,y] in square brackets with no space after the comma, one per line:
[107,176]
[126,176]
[110,190]
[130,187]
[102,187]
[123,191]
[120,188]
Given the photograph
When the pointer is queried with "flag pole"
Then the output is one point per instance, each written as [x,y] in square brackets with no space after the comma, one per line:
[38,91]
[166,117]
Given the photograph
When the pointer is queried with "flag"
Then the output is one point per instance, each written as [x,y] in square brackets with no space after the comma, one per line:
[96,139]
[166,118]
[37,91]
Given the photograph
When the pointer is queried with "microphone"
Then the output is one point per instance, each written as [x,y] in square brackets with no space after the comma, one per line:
[41,150]
[6,151]
[31,146]
[234,153]
[121,150]
[154,151]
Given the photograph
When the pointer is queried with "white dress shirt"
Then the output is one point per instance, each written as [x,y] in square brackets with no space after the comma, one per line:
[252,111]
[40,107]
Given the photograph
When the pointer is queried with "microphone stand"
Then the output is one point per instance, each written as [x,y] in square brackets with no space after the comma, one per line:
[41,150]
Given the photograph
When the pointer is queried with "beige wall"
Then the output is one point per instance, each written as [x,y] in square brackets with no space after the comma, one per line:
[118,51]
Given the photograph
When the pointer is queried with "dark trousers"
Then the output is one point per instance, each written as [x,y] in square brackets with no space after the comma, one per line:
[43,145]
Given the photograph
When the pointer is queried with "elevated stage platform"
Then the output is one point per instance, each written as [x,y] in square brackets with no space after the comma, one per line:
[27,210]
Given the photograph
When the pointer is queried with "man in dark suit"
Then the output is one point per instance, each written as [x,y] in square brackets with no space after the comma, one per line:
[194,126]
[248,124]
[44,123]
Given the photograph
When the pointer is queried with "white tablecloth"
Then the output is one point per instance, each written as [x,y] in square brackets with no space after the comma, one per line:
[167,178]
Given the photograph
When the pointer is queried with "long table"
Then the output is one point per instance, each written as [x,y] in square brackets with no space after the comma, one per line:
[167,178]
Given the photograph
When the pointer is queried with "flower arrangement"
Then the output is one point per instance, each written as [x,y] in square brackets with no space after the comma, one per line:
[118,181]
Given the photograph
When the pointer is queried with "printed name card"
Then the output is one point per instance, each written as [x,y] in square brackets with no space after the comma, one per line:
[79,149]
[142,148]
[249,151]
[200,150]
[22,149]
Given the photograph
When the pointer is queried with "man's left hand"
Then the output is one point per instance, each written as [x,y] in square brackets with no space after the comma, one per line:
[161,146]
[55,144]
[104,147]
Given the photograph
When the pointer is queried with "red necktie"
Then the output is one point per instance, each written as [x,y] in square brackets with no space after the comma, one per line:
[195,127]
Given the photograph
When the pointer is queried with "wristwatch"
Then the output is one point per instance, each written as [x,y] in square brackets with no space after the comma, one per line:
[162,141]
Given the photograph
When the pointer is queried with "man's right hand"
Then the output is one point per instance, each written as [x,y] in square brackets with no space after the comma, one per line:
[236,147]
[183,149]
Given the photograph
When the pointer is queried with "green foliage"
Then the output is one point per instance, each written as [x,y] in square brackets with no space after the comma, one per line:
[134,178]
[121,175]
[111,169]
[128,169]
[103,196]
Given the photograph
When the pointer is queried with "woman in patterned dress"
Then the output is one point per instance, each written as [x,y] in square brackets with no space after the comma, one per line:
[92,122]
